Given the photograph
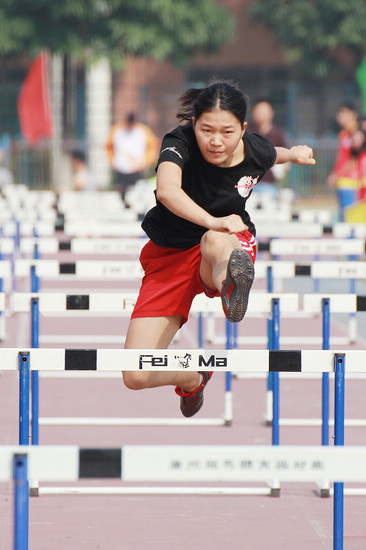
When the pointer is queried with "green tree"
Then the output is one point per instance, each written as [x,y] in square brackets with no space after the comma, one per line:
[314,32]
[163,29]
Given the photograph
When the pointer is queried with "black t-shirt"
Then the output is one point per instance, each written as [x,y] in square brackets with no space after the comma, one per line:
[219,191]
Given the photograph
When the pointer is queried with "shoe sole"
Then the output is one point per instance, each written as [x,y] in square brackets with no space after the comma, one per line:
[240,274]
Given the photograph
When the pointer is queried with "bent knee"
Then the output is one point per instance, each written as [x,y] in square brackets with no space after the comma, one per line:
[214,238]
[136,380]
[210,238]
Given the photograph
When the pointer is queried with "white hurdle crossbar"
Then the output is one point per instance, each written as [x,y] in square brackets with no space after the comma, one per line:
[174,463]
[79,245]
[314,247]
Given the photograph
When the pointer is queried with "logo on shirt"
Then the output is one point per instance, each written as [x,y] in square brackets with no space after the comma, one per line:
[174,150]
[245,185]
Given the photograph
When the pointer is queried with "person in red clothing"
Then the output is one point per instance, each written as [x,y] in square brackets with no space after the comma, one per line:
[201,236]
[344,175]
[358,152]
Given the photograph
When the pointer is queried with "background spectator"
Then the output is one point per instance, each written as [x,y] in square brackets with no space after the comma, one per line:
[132,148]
[344,174]
[262,122]
[81,178]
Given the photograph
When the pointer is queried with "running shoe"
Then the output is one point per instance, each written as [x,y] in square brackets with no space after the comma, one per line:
[191,402]
[236,287]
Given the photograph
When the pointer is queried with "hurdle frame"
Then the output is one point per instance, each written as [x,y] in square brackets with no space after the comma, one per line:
[275,361]
[270,303]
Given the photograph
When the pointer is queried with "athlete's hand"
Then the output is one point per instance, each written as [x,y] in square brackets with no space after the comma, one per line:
[229,224]
[302,154]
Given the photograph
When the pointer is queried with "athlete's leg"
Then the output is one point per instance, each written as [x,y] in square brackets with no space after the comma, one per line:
[216,249]
[227,265]
[156,333]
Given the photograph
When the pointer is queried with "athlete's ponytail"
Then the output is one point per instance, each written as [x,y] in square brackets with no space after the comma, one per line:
[223,95]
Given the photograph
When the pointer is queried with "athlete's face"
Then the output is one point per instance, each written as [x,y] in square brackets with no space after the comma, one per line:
[219,137]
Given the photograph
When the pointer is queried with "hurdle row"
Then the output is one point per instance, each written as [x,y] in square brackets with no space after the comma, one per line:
[91,228]
[334,246]
[227,360]
[131,269]
[263,303]
[22,202]
[122,304]
[271,305]
[38,269]
[203,463]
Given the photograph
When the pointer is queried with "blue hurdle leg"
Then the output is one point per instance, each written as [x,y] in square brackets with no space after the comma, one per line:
[325,379]
[200,330]
[24,399]
[275,490]
[34,375]
[228,416]
[338,502]
[275,375]
[269,394]
[21,502]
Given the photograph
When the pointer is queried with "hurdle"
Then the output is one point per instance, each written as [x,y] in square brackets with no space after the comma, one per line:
[102,229]
[264,461]
[80,245]
[122,304]
[324,305]
[321,247]
[286,214]
[87,269]
[131,270]
[166,463]
[270,230]
[351,246]
[273,270]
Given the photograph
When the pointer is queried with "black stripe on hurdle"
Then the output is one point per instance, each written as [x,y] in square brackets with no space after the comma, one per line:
[67,268]
[64,245]
[77,301]
[302,269]
[263,246]
[80,359]
[361,303]
[327,230]
[100,463]
[295,217]
[284,361]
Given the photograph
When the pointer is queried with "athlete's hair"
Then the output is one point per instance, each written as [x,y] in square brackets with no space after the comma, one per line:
[222,94]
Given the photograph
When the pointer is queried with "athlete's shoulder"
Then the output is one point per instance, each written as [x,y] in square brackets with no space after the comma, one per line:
[183,133]
[256,140]
[176,145]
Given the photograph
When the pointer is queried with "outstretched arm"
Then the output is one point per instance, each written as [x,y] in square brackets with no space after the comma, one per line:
[170,193]
[298,154]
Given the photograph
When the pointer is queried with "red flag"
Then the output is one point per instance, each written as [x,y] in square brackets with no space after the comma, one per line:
[34,108]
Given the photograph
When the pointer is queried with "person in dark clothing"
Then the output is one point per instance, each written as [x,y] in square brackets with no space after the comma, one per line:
[262,123]
[201,236]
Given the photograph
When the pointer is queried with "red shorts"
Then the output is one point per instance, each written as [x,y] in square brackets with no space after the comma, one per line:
[172,278]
